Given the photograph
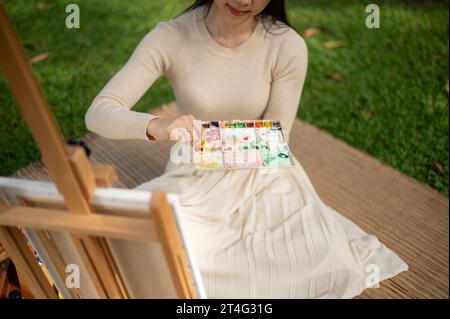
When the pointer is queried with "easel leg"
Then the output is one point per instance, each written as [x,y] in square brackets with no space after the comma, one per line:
[27,267]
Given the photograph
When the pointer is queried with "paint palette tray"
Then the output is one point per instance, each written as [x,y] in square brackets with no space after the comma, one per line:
[242,144]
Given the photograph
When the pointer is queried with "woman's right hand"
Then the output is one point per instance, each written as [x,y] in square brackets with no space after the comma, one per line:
[162,128]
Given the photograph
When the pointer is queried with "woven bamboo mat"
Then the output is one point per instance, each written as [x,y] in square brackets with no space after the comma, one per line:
[409,217]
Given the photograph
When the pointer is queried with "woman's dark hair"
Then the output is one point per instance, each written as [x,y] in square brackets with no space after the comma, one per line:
[273,13]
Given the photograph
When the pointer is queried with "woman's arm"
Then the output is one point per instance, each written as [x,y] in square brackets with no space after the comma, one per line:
[109,114]
[288,81]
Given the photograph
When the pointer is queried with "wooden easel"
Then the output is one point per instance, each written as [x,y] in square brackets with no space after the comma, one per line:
[77,180]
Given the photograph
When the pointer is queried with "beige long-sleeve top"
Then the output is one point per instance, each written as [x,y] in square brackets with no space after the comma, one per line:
[261,79]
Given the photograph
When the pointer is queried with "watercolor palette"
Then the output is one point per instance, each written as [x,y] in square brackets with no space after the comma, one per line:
[242,144]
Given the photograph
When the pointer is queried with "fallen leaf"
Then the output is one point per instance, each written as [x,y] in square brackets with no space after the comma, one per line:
[310,32]
[334,44]
[44,6]
[39,57]
[335,76]
[438,166]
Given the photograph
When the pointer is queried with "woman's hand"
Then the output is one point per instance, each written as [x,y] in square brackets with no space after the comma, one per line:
[162,128]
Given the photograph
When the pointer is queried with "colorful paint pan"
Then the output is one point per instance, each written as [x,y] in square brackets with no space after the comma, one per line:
[223,124]
[267,124]
[276,124]
[242,144]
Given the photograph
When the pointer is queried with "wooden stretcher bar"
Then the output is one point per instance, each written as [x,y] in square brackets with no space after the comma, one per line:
[153,211]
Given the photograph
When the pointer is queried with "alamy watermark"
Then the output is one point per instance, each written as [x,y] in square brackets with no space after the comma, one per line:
[73,277]
[73,17]
[373,276]
[373,17]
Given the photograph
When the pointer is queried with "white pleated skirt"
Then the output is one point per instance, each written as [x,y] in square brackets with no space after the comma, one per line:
[265,233]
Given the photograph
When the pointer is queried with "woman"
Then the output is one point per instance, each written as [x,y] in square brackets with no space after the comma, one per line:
[255,234]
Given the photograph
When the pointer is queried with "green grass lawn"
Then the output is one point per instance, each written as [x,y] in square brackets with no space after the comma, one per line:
[383,92]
